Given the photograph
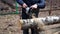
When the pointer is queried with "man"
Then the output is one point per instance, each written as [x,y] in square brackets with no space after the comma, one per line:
[35,5]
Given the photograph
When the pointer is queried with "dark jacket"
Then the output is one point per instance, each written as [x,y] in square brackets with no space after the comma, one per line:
[40,3]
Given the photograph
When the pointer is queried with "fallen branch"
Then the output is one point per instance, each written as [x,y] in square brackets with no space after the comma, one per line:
[39,22]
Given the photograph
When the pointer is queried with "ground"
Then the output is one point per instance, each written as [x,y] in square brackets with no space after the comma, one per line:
[9,24]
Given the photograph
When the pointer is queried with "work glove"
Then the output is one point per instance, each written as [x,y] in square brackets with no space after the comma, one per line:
[24,5]
[34,6]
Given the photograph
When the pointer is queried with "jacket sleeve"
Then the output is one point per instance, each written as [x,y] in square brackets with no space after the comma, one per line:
[20,2]
[41,4]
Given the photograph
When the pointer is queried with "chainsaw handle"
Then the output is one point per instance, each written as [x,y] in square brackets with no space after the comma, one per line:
[27,9]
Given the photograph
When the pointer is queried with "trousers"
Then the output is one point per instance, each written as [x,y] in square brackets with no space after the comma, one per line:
[34,13]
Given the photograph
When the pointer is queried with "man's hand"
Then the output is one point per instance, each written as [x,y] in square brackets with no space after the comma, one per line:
[34,6]
[24,5]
